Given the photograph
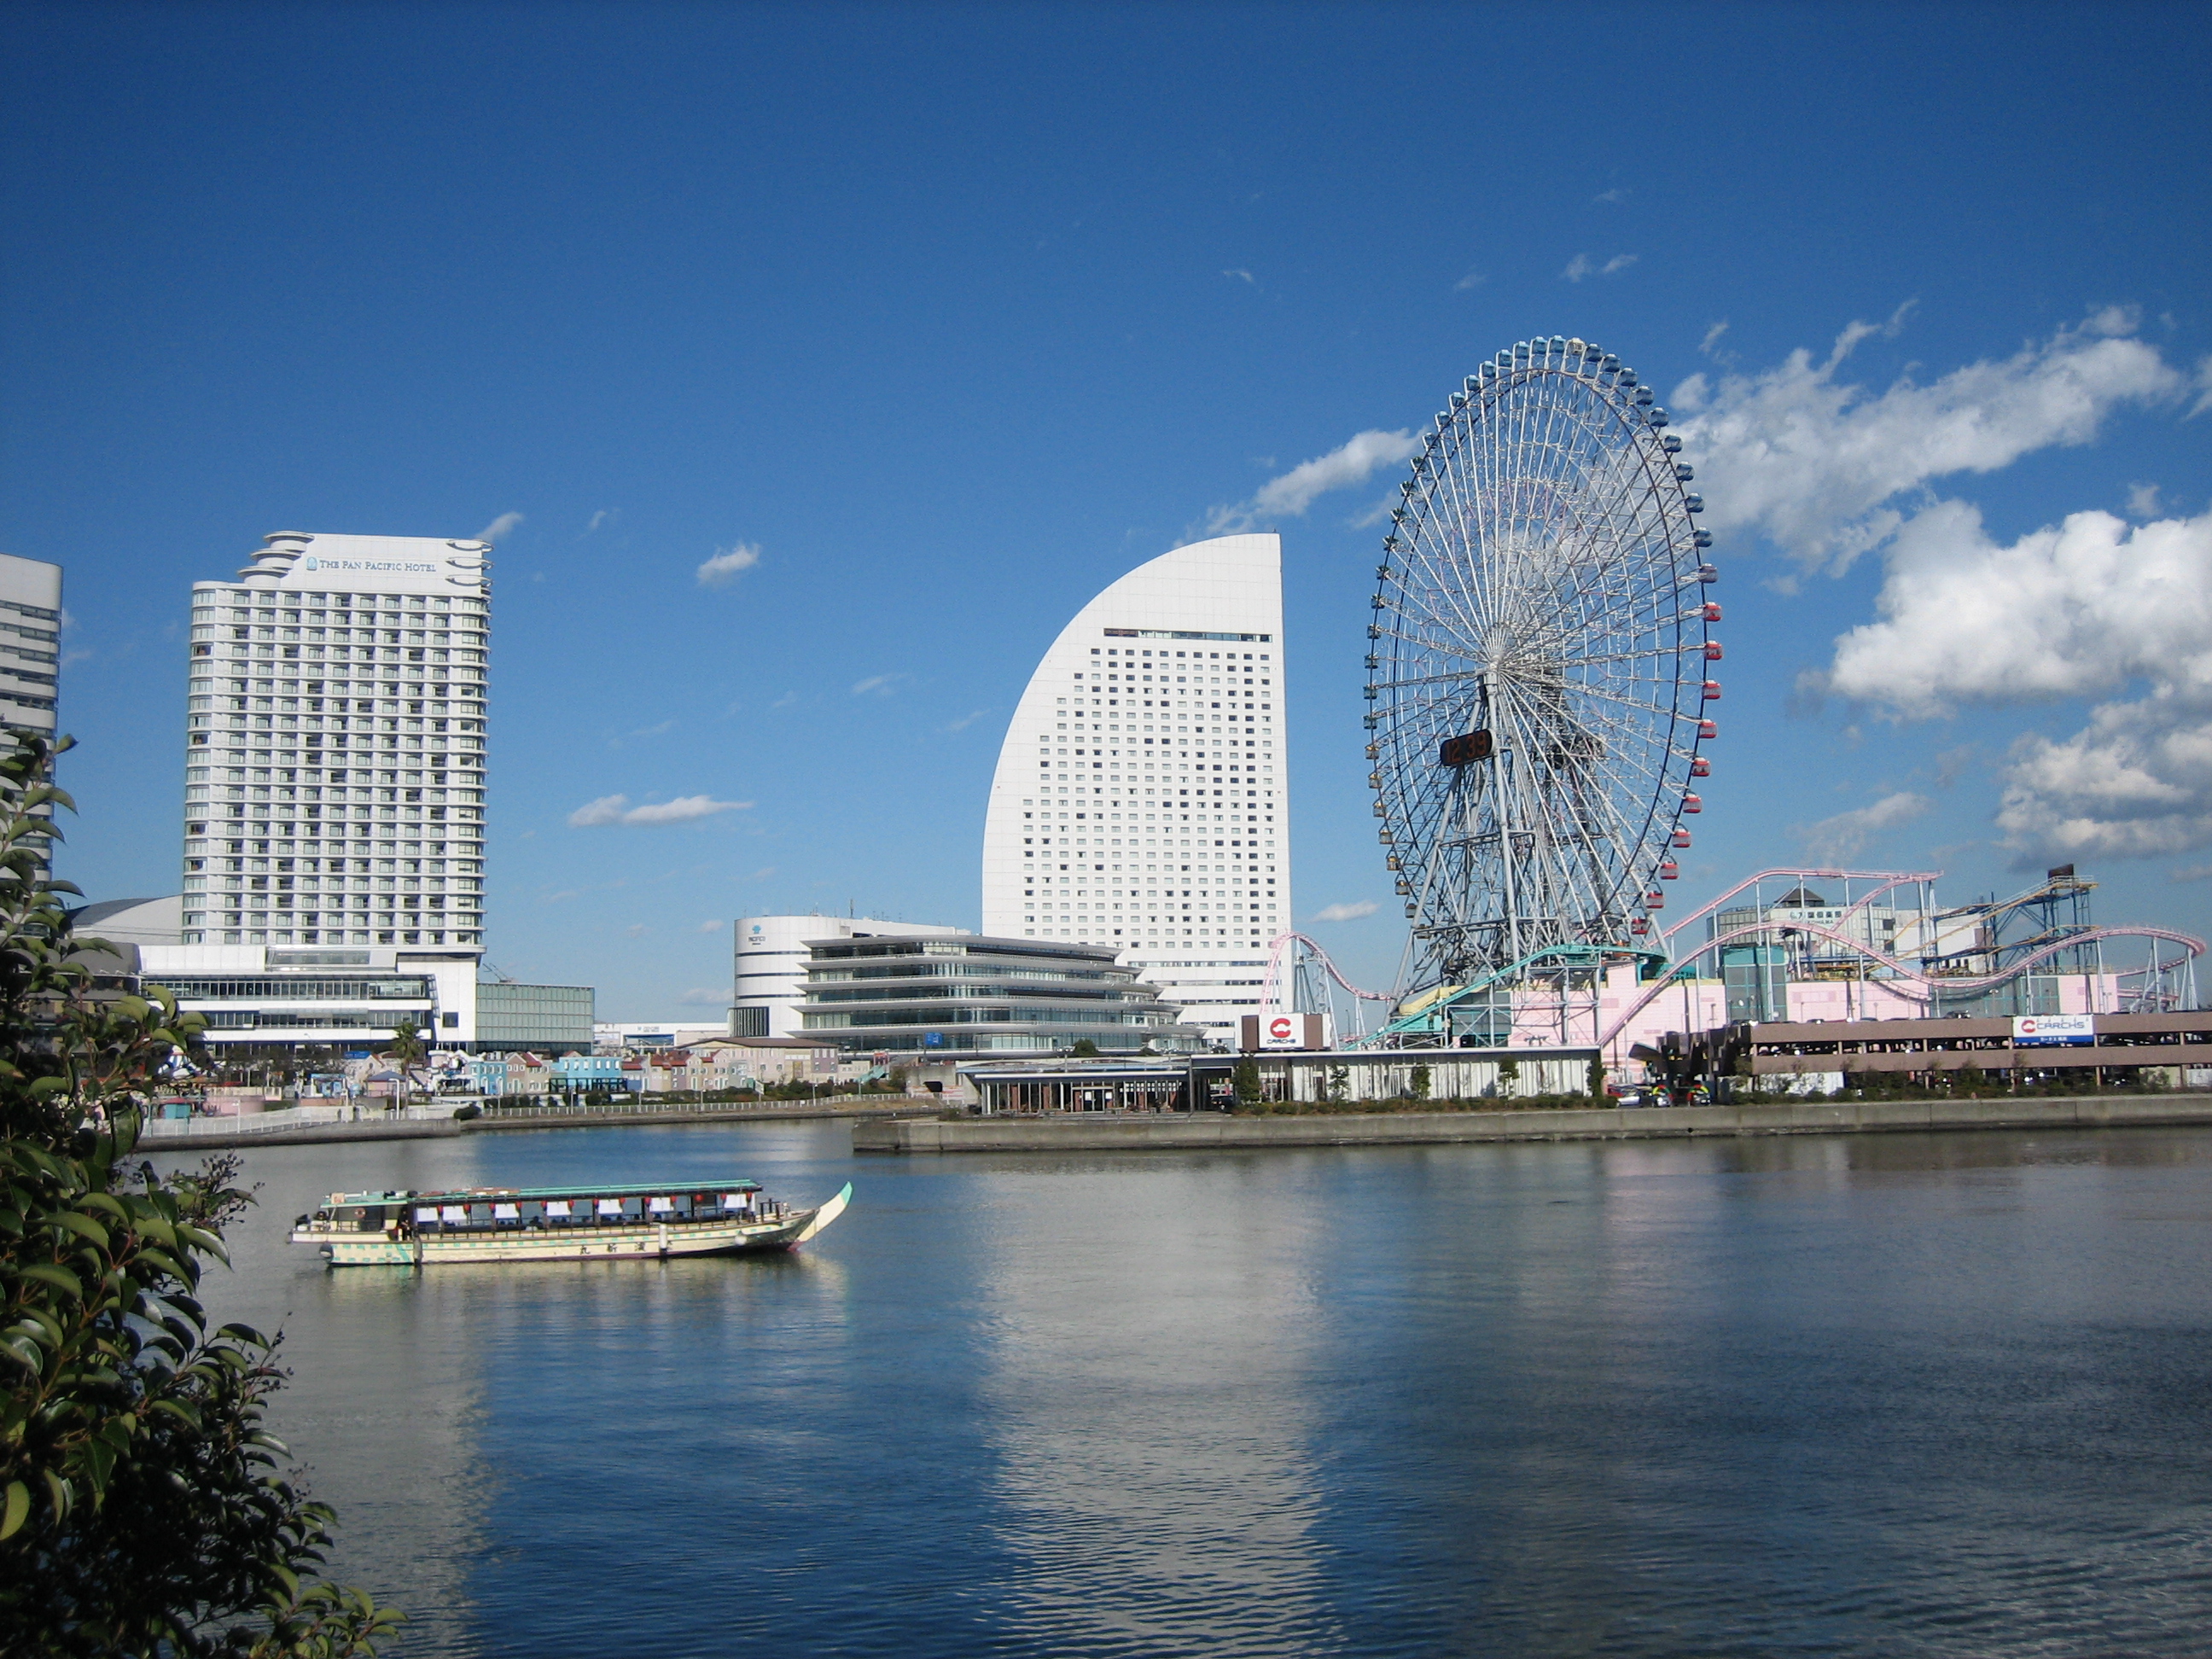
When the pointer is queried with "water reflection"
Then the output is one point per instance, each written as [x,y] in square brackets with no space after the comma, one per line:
[1150,1411]
[1897,1395]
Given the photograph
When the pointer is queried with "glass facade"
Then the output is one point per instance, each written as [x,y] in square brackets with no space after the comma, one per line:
[542,1019]
[971,995]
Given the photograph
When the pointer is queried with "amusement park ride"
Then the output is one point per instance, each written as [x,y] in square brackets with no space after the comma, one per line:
[1540,704]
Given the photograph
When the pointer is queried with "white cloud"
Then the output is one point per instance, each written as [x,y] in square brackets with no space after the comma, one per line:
[1713,337]
[1245,276]
[2092,605]
[1618,193]
[682,810]
[2142,501]
[1838,840]
[607,808]
[1473,279]
[712,925]
[1814,462]
[2078,608]
[728,564]
[1583,265]
[616,809]
[1349,463]
[499,527]
[599,519]
[881,684]
[1350,912]
[967,719]
[706,996]
[2201,384]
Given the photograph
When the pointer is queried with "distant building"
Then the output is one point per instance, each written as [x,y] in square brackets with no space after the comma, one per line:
[770,965]
[267,1001]
[133,921]
[975,994]
[513,1018]
[1142,796]
[728,1063]
[614,1036]
[583,1073]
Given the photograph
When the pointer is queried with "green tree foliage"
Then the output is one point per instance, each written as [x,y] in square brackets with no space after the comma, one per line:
[1246,1081]
[1597,1077]
[142,1509]
[1420,1083]
[1084,1049]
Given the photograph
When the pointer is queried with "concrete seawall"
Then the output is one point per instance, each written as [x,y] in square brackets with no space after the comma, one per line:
[1090,1133]
[219,1135]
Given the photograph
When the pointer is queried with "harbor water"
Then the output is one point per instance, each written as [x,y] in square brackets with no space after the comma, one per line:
[1886,1394]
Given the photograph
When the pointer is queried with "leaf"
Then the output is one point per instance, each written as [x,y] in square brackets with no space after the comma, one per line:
[60,1278]
[19,1509]
[83,1226]
[188,1415]
[29,1363]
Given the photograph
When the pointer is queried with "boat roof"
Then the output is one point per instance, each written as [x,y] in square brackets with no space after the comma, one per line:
[591,1189]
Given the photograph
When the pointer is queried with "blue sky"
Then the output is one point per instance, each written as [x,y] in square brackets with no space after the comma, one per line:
[952,315]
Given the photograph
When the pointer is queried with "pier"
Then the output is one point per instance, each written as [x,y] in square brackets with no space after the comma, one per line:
[1089,1132]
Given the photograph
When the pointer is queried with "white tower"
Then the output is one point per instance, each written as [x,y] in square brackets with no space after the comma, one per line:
[334,770]
[1142,796]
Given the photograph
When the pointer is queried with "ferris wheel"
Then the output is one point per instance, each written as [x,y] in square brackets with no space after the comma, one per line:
[1538,678]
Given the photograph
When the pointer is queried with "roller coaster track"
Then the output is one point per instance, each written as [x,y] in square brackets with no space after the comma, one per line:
[1908,975]
[1889,879]
[1282,944]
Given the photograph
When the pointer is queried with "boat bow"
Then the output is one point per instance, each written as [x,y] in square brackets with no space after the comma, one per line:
[829,1211]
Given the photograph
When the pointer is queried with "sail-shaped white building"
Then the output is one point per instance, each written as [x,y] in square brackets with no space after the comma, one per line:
[1142,795]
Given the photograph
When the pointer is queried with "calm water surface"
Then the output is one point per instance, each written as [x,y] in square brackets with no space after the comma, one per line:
[1882,1395]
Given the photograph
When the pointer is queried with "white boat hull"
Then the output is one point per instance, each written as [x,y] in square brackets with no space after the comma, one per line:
[635,1241]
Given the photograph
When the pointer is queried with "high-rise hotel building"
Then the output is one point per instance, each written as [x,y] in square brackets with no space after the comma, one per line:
[1142,794]
[30,643]
[30,651]
[334,775]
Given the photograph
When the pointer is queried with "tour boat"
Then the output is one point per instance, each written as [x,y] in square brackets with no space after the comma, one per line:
[559,1223]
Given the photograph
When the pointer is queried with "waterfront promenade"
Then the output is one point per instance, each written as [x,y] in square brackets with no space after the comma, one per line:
[1141,1132]
[298,1128]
